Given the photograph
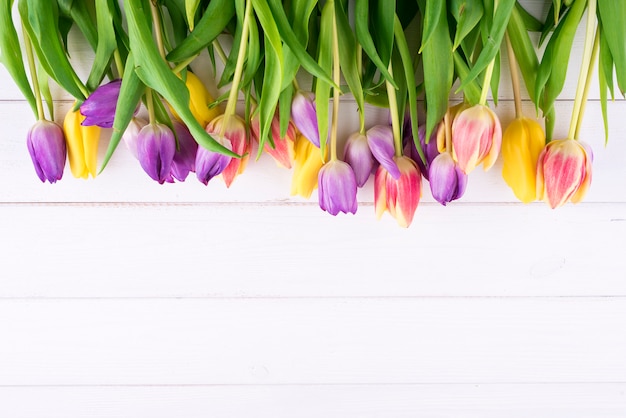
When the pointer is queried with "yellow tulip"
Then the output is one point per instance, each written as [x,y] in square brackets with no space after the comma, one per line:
[199,101]
[82,145]
[522,143]
[308,163]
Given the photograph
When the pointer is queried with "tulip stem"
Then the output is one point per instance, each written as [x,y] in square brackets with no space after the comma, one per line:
[447,125]
[33,73]
[336,92]
[395,117]
[220,51]
[594,55]
[488,70]
[118,62]
[584,69]
[234,88]
[150,104]
[514,77]
[156,21]
[181,65]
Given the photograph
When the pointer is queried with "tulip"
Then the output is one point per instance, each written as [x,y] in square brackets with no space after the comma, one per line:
[564,172]
[156,146]
[430,150]
[380,141]
[235,133]
[82,145]
[358,155]
[99,108]
[307,164]
[46,145]
[400,197]
[184,160]
[337,188]
[476,138]
[130,134]
[210,163]
[199,101]
[283,150]
[447,180]
[522,142]
[304,116]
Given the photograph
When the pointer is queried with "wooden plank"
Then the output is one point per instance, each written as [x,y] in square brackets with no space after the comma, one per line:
[263,181]
[312,341]
[213,250]
[336,401]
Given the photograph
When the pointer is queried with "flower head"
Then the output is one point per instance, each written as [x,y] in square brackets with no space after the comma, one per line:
[210,163]
[476,137]
[46,145]
[82,145]
[358,155]
[304,116]
[155,150]
[430,150]
[235,133]
[337,188]
[398,196]
[522,142]
[447,180]
[130,134]
[564,172]
[184,160]
[283,150]
[380,141]
[99,107]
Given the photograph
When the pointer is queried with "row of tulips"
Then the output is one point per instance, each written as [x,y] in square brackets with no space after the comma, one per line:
[188,132]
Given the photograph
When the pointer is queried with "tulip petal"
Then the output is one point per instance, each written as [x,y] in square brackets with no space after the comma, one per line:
[358,155]
[304,116]
[337,188]
[380,141]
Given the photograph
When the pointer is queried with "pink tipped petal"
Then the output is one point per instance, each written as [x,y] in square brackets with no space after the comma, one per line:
[496,141]
[380,191]
[380,141]
[235,134]
[408,192]
[476,137]
[358,155]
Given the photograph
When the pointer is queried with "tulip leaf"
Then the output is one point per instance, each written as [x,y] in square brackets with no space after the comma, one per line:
[438,71]
[211,24]
[284,109]
[254,54]
[613,16]
[299,14]
[363,34]
[41,19]
[531,23]
[11,53]
[524,52]
[348,54]
[467,14]
[325,62]
[131,91]
[81,13]
[191,6]
[44,88]
[156,74]
[472,90]
[107,43]
[431,19]
[383,17]
[493,41]
[606,63]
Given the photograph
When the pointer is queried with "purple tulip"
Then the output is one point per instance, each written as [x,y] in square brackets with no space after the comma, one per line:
[447,180]
[46,145]
[99,107]
[358,155]
[380,141]
[337,188]
[209,163]
[430,149]
[155,150]
[130,134]
[304,116]
[185,157]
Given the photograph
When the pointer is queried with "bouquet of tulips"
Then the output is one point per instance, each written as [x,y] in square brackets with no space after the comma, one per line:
[395,54]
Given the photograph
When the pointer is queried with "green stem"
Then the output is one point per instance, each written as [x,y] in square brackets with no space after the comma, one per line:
[486,83]
[584,68]
[220,51]
[514,77]
[395,117]
[156,22]
[234,88]
[181,65]
[447,125]
[33,73]
[150,105]
[118,62]
[594,54]
[336,92]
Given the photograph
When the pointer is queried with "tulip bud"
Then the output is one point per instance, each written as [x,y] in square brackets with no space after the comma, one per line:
[476,138]
[283,150]
[210,163]
[82,145]
[236,134]
[184,160]
[130,134]
[380,141]
[522,142]
[199,101]
[447,180]
[46,145]
[564,172]
[337,188]
[358,155]
[156,146]
[304,116]
[99,108]
[400,197]
[307,164]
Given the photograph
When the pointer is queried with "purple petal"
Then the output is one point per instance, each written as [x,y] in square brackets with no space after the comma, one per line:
[358,155]
[447,181]
[185,157]
[155,150]
[46,145]
[209,163]
[304,116]
[99,107]
[380,141]
[337,188]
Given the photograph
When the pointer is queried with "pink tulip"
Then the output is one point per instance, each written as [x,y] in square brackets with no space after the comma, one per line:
[235,133]
[283,151]
[476,138]
[400,197]
[564,172]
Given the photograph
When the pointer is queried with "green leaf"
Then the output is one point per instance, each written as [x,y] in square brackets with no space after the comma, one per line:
[300,14]
[284,109]
[83,14]
[382,20]
[472,90]
[431,19]
[40,19]
[325,61]
[613,17]
[348,54]
[254,55]
[524,52]
[44,88]
[190,11]
[107,43]
[467,14]
[606,63]
[494,40]
[156,74]
[213,21]
[11,53]
[531,23]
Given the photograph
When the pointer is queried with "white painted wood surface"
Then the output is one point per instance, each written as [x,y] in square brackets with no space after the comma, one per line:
[123,298]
